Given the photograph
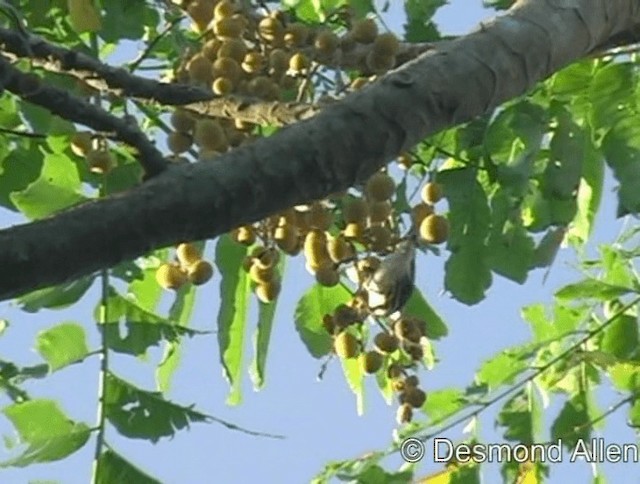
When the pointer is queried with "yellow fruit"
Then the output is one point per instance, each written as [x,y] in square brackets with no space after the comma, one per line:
[379,64]
[200,272]
[298,62]
[245,235]
[404,414]
[81,143]
[228,28]
[414,396]
[296,35]
[187,254]
[261,275]
[431,193]
[270,30]
[179,142]
[405,161]
[327,276]
[346,345]
[315,248]
[265,256]
[260,86]
[84,16]
[364,31]
[419,212]
[386,45]
[182,121]
[379,212]
[278,61]
[209,135]
[222,86]
[169,276]
[339,249]
[407,329]
[379,237]
[223,9]
[385,342]
[359,83]
[354,231]
[412,381]
[287,238]
[380,187]
[355,210]
[414,351]
[252,62]
[234,49]
[227,67]
[201,13]
[434,229]
[268,292]
[100,161]
[326,43]
[210,49]
[247,263]
[199,69]
[320,217]
[328,323]
[371,361]
[394,371]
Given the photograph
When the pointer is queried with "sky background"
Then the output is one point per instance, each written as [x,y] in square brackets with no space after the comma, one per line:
[318,419]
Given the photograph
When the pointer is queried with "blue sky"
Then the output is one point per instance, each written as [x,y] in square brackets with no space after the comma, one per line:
[318,418]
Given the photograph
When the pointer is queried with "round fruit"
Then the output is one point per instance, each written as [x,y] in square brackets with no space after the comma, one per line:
[201,13]
[179,142]
[404,414]
[355,210]
[187,254]
[234,49]
[200,272]
[261,275]
[380,64]
[320,217]
[268,292]
[210,49]
[182,121]
[245,235]
[223,9]
[345,315]
[394,371]
[379,237]
[414,351]
[296,35]
[315,248]
[358,83]
[419,212]
[346,345]
[327,276]
[326,43]
[328,324]
[339,249]
[209,135]
[227,67]
[228,28]
[199,69]
[431,193]
[169,276]
[364,31]
[386,45]
[379,212]
[222,86]
[385,343]
[354,231]
[412,381]
[405,161]
[81,143]
[287,238]
[434,229]
[407,329]
[298,62]
[278,61]
[380,187]
[270,30]
[100,161]
[252,62]
[414,396]
[371,361]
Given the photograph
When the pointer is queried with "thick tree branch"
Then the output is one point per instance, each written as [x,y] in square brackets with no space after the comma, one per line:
[78,110]
[340,146]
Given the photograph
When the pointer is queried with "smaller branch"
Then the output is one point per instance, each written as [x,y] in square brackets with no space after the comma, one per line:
[24,134]
[147,51]
[77,110]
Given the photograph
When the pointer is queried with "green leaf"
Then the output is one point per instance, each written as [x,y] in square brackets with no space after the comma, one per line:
[547,249]
[180,312]
[467,270]
[49,434]
[571,424]
[611,87]
[420,26]
[57,187]
[418,307]
[235,289]
[115,468]
[442,403]
[634,414]
[510,252]
[521,417]
[625,376]
[19,168]
[548,328]
[591,289]
[140,414]
[377,475]
[57,297]
[310,310]
[127,20]
[354,376]
[620,339]
[62,345]
[501,369]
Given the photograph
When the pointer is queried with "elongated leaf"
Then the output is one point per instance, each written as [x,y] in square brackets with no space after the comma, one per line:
[571,425]
[521,417]
[441,403]
[62,345]
[49,434]
[235,289]
[141,414]
[310,310]
[57,297]
[355,378]
[18,169]
[592,289]
[115,468]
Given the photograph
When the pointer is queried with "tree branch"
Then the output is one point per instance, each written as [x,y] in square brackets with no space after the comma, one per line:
[342,145]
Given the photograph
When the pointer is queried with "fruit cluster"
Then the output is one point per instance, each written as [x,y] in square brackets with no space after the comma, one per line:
[261,265]
[187,266]
[94,150]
